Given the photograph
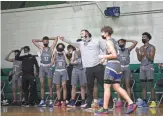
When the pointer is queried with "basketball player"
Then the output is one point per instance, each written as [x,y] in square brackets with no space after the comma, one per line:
[45,66]
[16,72]
[145,55]
[78,73]
[90,49]
[124,58]
[60,75]
[70,49]
[112,72]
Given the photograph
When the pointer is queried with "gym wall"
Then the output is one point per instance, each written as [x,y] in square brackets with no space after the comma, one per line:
[20,26]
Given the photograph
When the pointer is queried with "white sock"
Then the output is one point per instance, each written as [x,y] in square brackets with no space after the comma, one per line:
[51,101]
[95,100]
[119,99]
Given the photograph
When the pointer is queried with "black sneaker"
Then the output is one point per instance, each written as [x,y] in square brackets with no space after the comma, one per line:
[83,104]
[19,103]
[87,106]
[25,104]
[14,103]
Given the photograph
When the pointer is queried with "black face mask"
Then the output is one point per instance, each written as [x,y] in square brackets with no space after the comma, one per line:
[103,37]
[17,56]
[60,49]
[46,44]
[121,46]
[144,40]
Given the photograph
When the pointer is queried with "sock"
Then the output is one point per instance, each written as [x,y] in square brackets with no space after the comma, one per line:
[95,100]
[119,99]
[50,100]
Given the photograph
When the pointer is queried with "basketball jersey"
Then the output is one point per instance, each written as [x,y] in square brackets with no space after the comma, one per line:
[79,60]
[146,61]
[60,61]
[46,56]
[115,45]
[124,56]
[17,66]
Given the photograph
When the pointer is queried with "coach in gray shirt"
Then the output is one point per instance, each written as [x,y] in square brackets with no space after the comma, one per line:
[90,51]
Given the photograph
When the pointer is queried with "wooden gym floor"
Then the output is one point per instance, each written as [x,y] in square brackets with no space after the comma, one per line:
[35,111]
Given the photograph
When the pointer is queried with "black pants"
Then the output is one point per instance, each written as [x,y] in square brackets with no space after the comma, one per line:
[69,87]
[92,73]
[29,88]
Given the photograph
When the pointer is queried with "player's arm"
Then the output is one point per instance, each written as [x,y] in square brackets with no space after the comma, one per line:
[73,61]
[55,40]
[36,43]
[9,59]
[110,49]
[139,56]
[134,43]
[71,42]
[151,55]
[53,57]
[67,61]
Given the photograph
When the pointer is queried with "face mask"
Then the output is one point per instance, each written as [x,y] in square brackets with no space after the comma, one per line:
[60,49]
[121,46]
[103,37]
[26,53]
[83,37]
[46,44]
[144,40]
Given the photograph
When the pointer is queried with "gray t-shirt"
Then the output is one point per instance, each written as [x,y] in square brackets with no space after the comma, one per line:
[90,50]
[124,56]
[17,66]
[46,56]
[79,61]
[60,61]
[115,47]
[146,61]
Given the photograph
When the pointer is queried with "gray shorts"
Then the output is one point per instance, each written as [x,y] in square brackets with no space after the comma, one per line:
[16,81]
[60,76]
[45,71]
[126,72]
[78,75]
[112,72]
[146,72]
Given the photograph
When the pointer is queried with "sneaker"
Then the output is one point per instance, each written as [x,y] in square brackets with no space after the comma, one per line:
[118,104]
[140,103]
[63,104]
[71,104]
[14,103]
[153,104]
[131,108]
[102,111]
[83,104]
[153,111]
[94,105]
[57,104]
[51,104]
[19,103]
[42,104]
[88,108]
[26,104]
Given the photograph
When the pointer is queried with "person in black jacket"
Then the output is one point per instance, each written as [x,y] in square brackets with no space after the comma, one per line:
[28,77]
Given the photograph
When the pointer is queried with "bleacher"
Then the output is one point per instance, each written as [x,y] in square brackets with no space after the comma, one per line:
[137,86]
